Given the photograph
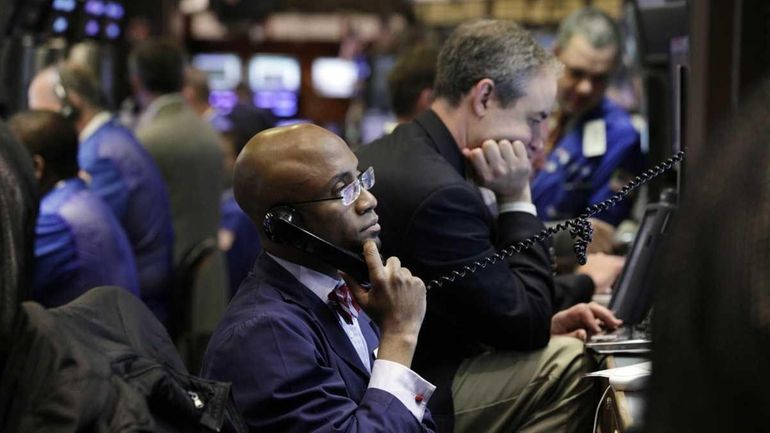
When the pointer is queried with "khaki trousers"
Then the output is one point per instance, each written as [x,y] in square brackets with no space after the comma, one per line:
[525,392]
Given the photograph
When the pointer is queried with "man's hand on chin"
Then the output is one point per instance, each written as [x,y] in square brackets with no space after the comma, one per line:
[583,320]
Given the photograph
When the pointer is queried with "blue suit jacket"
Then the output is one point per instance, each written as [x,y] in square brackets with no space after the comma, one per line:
[125,176]
[570,182]
[292,366]
[79,245]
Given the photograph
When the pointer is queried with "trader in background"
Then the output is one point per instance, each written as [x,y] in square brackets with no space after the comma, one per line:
[189,157]
[79,244]
[119,170]
[592,149]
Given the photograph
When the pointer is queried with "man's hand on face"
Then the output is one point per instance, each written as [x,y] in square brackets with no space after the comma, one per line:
[396,301]
[583,320]
[503,167]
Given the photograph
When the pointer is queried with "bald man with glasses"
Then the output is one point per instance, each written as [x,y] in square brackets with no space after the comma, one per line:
[306,347]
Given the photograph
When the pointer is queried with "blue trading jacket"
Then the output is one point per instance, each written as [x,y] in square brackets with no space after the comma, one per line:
[125,176]
[570,181]
[79,245]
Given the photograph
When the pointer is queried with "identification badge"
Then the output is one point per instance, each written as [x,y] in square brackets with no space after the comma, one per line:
[594,138]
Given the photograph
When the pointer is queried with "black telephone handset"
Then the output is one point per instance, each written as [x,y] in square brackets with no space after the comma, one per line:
[283,225]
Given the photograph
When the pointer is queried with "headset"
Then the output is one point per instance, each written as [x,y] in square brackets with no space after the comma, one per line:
[68,111]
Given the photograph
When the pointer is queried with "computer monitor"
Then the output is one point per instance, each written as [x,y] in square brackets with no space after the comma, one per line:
[224,72]
[275,80]
[333,77]
[679,69]
[656,22]
[632,293]
[223,69]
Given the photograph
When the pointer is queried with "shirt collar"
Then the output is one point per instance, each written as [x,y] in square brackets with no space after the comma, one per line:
[95,123]
[318,283]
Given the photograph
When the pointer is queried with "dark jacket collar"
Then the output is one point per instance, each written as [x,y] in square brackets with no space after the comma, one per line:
[441,139]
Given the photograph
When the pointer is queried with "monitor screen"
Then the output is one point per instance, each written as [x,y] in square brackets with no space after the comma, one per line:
[275,81]
[334,77]
[632,294]
[223,69]
[655,22]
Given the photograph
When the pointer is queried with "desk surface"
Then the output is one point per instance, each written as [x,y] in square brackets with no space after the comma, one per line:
[620,409]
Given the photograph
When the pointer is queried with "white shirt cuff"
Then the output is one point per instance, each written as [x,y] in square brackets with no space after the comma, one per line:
[518,206]
[404,384]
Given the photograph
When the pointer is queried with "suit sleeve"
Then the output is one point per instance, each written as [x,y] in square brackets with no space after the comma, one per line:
[283,381]
[571,289]
[507,305]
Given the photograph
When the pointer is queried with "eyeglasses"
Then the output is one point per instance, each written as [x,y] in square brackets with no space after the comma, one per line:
[349,192]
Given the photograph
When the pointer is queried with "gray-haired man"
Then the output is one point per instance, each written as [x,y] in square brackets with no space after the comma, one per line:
[486,341]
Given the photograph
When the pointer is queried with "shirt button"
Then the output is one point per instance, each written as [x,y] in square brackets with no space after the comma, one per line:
[419,398]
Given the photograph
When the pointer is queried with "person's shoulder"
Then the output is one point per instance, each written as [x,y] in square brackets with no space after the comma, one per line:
[85,208]
[115,141]
[407,155]
[616,116]
[257,311]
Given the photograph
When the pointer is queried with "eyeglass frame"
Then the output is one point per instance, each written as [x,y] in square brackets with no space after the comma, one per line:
[357,185]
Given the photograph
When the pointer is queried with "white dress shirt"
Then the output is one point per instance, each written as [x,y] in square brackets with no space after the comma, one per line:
[394,378]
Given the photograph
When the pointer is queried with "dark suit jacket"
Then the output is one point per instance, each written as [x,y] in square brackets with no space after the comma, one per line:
[292,366]
[436,221]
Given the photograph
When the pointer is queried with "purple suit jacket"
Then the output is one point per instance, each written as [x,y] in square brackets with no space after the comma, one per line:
[292,366]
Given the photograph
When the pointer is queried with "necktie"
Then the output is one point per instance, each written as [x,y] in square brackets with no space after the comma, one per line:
[342,302]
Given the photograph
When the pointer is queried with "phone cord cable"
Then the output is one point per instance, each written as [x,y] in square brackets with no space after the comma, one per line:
[579,228]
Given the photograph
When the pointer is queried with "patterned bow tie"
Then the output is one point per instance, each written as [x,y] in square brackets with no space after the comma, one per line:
[342,302]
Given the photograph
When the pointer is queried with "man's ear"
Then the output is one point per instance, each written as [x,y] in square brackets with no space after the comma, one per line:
[424,100]
[481,96]
[39,164]
[75,100]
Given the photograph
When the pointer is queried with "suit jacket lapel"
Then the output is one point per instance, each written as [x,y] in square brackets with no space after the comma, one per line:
[295,292]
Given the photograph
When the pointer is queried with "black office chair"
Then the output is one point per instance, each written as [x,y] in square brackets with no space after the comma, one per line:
[198,301]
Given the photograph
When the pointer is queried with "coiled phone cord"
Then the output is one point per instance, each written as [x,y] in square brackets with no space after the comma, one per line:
[579,228]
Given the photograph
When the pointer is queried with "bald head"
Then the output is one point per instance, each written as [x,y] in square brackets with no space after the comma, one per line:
[287,164]
[41,95]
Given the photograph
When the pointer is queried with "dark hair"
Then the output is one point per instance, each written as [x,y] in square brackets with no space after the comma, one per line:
[159,65]
[499,50]
[50,135]
[79,79]
[414,71]
[599,29]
